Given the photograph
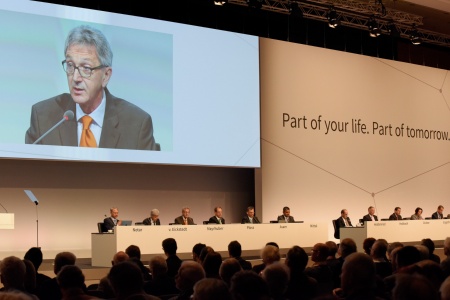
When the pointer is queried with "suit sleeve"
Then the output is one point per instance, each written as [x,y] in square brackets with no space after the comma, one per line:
[146,139]
[434,216]
[109,224]
[33,132]
[146,221]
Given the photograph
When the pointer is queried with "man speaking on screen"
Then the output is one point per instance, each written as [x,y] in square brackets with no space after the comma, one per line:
[100,119]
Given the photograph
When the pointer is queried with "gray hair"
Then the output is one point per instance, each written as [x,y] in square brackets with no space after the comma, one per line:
[89,36]
[154,212]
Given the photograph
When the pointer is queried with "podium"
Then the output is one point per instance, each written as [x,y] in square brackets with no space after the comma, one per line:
[6,221]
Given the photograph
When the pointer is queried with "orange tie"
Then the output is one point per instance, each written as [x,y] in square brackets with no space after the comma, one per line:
[87,137]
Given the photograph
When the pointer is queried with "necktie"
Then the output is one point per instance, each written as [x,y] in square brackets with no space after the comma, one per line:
[220,221]
[87,137]
[185,222]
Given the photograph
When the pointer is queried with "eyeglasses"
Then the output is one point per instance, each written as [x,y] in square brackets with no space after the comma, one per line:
[85,72]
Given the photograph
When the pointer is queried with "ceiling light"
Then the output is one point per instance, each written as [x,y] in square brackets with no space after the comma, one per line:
[332,18]
[220,2]
[374,28]
[414,36]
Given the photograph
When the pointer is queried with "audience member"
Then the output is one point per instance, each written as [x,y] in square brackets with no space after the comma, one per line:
[161,283]
[205,252]
[300,285]
[127,282]
[320,271]
[189,274]
[196,250]
[12,274]
[211,288]
[104,285]
[276,276]
[50,290]
[71,282]
[430,245]
[269,255]
[445,264]
[397,214]
[346,247]
[391,247]
[445,289]
[211,265]
[173,261]
[34,254]
[228,268]
[413,287]
[367,244]
[134,254]
[235,251]
[383,267]
[30,277]
[424,252]
[249,285]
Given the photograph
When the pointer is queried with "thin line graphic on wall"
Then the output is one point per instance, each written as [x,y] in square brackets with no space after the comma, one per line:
[358,187]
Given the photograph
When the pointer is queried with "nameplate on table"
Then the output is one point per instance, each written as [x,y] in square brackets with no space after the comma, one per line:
[402,223]
[379,224]
[178,229]
[214,228]
[137,229]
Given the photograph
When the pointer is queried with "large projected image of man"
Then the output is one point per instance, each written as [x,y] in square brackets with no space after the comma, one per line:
[101,120]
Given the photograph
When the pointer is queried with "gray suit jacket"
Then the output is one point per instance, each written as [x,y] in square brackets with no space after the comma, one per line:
[290,220]
[125,126]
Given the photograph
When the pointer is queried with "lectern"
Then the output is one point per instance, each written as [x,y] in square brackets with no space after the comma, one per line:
[6,221]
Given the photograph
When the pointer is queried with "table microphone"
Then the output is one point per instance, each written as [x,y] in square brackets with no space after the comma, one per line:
[68,115]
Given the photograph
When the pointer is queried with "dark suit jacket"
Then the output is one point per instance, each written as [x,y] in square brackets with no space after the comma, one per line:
[340,223]
[179,220]
[125,126]
[436,215]
[108,223]
[213,220]
[394,217]
[148,221]
[367,218]
[247,220]
[291,218]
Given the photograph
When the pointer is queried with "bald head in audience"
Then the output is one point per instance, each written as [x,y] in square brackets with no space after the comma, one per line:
[358,276]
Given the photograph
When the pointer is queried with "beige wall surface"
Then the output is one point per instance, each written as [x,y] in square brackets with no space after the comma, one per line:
[74,196]
[316,157]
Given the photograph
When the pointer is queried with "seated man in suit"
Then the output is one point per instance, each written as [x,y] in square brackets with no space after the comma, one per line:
[396,215]
[154,218]
[371,215]
[113,220]
[342,221]
[250,217]
[439,214]
[217,218]
[184,219]
[286,216]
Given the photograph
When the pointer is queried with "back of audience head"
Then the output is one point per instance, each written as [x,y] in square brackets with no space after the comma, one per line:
[445,289]
[249,285]
[429,244]
[358,275]
[424,252]
[63,259]
[205,252]
[319,253]
[273,244]
[378,250]
[367,244]
[332,249]
[30,276]
[431,270]
[15,295]
[170,246]
[391,247]
[228,268]
[157,266]
[70,277]
[126,279]
[189,273]
[235,249]
[347,247]
[270,254]
[276,276]
[211,288]
[211,264]
[12,273]
[133,251]
[34,254]
[119,257]
[447,246]
[413,287]
[196,250]
[407,256]
[296,259]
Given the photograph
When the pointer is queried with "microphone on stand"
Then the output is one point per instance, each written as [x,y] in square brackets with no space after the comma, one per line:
[68,116]
[3,208]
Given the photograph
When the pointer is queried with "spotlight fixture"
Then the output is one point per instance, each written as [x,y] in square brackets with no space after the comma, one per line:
[332,18]
[220,2]
[257,4]
[393,30]
[414,36]
[295,10]
[374,28]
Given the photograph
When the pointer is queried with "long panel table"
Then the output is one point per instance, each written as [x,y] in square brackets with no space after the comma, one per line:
[250,236]
[405,231]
